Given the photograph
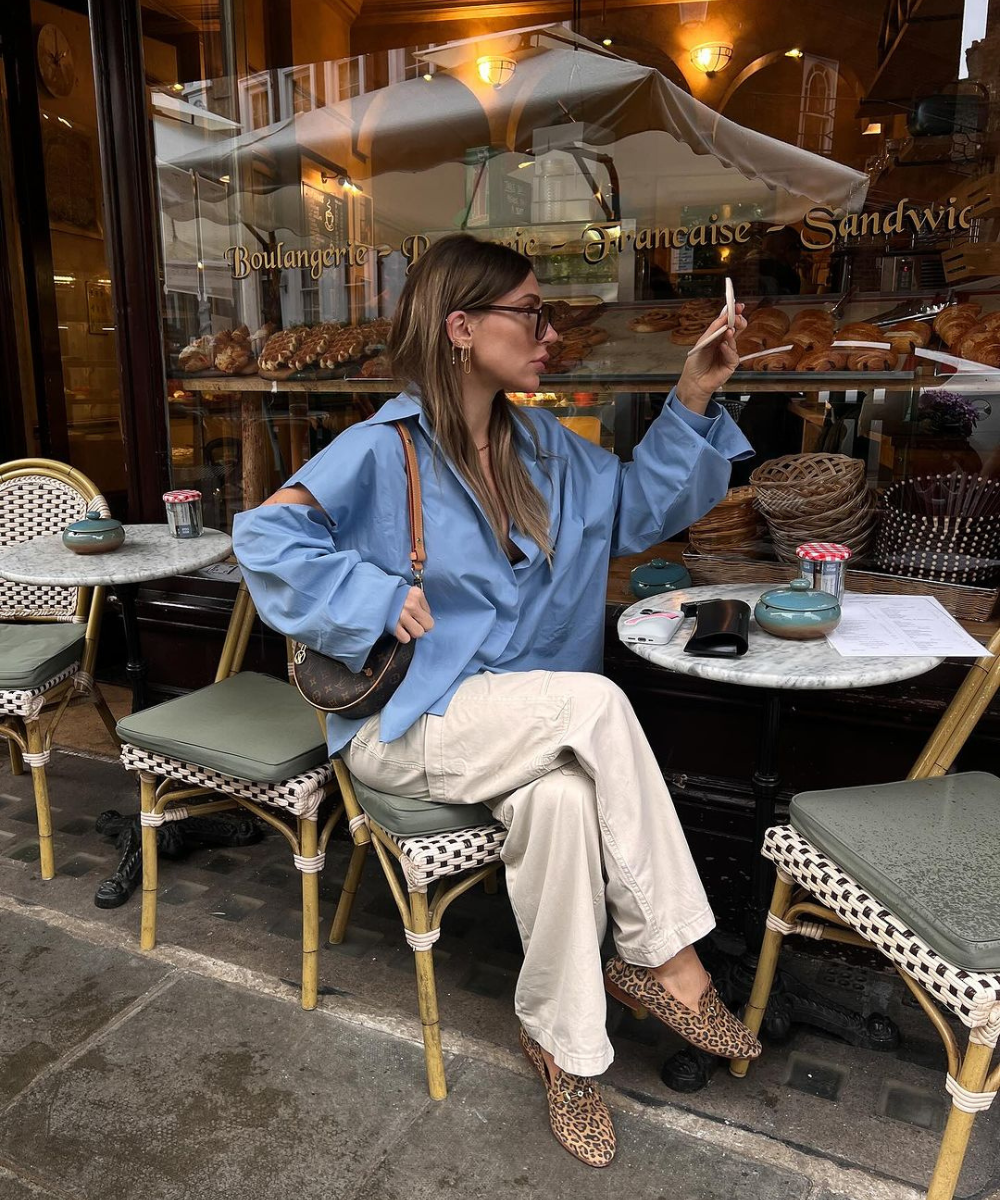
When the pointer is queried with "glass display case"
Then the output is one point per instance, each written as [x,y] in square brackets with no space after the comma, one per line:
[293,202]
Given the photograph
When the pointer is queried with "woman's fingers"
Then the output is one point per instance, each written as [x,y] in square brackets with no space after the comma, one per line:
[415,619]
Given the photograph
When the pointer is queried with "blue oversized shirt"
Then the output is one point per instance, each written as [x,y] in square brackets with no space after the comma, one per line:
[336,577]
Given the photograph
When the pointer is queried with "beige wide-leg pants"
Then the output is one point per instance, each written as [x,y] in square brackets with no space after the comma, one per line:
[563,763]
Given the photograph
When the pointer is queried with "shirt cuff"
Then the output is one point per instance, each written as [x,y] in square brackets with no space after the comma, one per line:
[700,424]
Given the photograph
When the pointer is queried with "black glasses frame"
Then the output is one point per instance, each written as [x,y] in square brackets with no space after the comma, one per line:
[542,315]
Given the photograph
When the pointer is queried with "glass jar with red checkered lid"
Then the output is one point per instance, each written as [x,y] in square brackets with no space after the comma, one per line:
[824,565]
[184,512]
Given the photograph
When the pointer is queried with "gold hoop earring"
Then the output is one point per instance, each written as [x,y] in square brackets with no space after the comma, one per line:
[467,359]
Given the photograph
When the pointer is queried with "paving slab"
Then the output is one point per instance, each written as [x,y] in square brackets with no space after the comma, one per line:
[239,907]
[491,1138]
[55,992]
[210,1093]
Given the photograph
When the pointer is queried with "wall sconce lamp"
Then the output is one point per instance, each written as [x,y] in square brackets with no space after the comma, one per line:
[494,70]
[341,181]
[873,127]
[711,57]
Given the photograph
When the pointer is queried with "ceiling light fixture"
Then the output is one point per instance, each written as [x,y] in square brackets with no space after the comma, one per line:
[606,41]
[795,52]
[711,57]
[494,70]
[428,78]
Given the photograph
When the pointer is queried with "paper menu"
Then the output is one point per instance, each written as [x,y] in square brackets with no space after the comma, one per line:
[901,627]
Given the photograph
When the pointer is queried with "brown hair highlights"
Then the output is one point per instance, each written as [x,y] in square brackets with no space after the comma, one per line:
[457,273]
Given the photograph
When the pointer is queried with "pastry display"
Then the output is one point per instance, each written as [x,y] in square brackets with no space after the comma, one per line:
[769,319]
[233,353]
[278,352]
[655,320]
[824,359]
[981,345]
[954,322]
[779,360]
[196,357]
[566,316]
[692,317]
[904,337]
[871,360]
[859,331]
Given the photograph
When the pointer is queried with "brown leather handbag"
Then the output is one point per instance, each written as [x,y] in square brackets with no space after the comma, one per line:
[327,683]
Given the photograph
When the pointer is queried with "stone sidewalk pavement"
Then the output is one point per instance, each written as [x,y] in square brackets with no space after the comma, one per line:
[175,1075]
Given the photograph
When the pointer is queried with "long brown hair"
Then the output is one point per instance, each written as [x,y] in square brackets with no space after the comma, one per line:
[458,273]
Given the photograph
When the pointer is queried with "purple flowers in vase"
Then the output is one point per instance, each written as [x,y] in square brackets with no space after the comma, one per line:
[951,412]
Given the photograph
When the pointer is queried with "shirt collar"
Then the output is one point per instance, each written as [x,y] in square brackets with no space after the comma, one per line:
[406,405]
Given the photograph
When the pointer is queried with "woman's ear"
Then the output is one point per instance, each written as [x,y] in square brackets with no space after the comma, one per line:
[459,328]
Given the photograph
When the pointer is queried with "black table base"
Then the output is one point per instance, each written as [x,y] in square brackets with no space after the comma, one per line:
[791,1002]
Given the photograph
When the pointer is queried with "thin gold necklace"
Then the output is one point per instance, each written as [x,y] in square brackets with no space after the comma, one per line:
[482,448]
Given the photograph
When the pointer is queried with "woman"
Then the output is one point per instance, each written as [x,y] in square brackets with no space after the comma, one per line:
[503,701]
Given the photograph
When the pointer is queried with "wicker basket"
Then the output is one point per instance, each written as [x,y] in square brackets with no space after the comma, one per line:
[732,522]
[967,603]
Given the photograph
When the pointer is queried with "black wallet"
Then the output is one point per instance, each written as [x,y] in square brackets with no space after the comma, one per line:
[721,628]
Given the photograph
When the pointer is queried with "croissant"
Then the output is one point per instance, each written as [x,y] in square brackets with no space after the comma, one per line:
[872,360]
[767,335]
[907,334]
[781,360]
[813,314]
[822,359]
[982,346]
[808,336]
[749,343]
[770,318]
[859,331]
[990,321]
[954,322]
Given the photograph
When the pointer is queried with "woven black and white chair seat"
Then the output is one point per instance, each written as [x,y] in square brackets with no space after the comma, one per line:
[299,796]
[28,702]
[972,996]
[426,858]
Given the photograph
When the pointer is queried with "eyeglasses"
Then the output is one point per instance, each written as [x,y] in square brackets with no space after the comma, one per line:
[542,315]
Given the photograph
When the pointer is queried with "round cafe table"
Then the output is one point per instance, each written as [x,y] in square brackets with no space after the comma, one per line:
[773,666]
[149,552]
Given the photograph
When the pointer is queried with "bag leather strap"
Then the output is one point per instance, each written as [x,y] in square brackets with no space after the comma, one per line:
[414,503]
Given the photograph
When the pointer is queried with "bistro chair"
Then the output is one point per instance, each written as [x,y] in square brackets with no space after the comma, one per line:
[452,846]
[48,635]
[908,869]
[247,741]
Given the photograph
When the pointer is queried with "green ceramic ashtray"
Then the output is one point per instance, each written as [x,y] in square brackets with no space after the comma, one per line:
[94,534]
[797,611]
[656,576]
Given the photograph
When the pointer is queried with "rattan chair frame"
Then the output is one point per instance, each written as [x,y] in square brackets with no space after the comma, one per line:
[421,916]
[167,788]
[22,712]
[792,901]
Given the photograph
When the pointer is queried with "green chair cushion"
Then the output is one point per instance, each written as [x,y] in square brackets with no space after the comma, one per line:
[32,653]
[250,726]
[414,818]
[927,849]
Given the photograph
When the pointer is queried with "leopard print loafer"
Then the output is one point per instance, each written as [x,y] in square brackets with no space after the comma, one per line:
[580,1120]
[712,1028]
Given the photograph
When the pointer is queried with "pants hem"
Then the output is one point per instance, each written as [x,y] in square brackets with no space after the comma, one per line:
[664,949]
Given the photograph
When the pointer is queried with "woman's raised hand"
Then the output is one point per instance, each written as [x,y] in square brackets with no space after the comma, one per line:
[709,367]
[415,619]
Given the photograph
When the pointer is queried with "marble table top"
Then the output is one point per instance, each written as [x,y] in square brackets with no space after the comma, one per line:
[770,662]
[148,552]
